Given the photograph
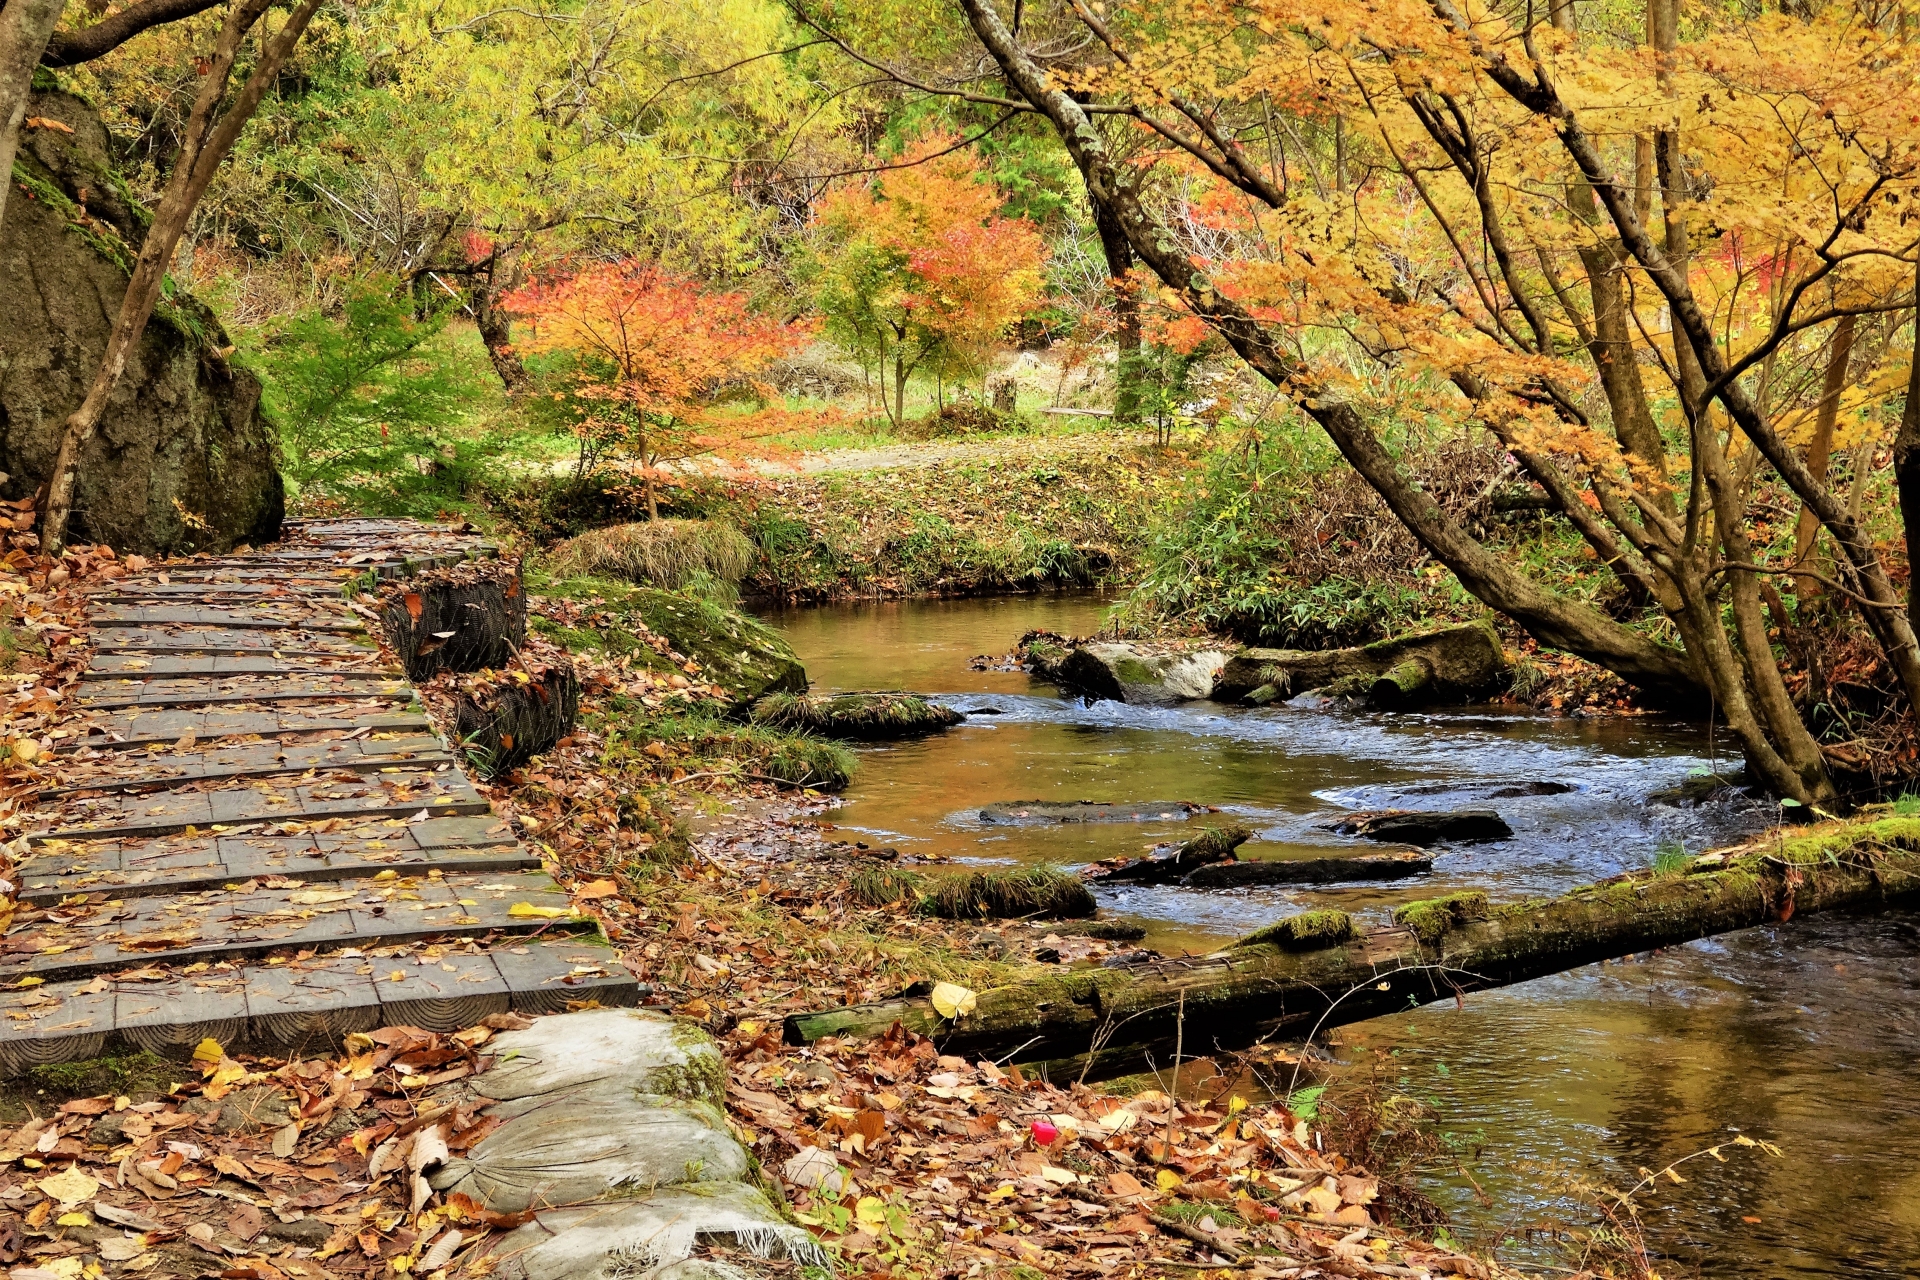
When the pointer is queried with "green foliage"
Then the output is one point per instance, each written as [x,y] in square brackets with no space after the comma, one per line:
[1670,858]
[1305,1103]
[884,886]
[1236,561]
[354,394]
[854,715]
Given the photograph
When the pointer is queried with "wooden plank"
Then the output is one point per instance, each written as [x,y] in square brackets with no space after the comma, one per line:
[185,864]
[122,665]
[309,1007]
[237,925]
[440,993]
[551,975]
[161,616]
[213,640]
[121,694]
[119,771]
[128,729]
[173,1016]
[114,817]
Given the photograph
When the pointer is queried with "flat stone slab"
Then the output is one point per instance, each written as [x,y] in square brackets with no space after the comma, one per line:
[1044,811]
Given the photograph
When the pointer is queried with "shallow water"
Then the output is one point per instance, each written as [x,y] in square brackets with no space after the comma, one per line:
[1807,1036]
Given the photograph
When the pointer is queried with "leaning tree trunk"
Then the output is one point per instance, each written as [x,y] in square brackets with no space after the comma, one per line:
[496,327]
[468,617]
[1126,314]
[1317,970]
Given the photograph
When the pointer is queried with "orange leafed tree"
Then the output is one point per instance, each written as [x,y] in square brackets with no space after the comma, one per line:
[920,271]
[654,351]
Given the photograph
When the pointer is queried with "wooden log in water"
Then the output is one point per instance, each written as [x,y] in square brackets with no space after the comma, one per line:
[469,617]
[1318,970]
[1168,863]
[1393,865]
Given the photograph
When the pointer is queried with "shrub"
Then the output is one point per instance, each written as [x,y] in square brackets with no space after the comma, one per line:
[663,553]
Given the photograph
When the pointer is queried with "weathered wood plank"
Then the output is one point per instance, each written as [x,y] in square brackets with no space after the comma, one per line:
[114,695]
[130,728]
[112,772]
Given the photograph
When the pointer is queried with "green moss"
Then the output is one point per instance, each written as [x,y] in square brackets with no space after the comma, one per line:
[868,716]
[1827,843]
[1431,918]
[1134,671]
[1308,931]
[1215,844]
[97,235]
[699,1080]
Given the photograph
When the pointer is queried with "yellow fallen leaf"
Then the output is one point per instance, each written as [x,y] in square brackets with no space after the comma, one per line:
[25,750]
[1166,1179]
[951,1000]
[69,1188]
[29,982]
[524,909]
[312,897]
[75,1219]
[209,1050]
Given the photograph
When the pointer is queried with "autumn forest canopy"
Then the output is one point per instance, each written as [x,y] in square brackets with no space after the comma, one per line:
[1643,274]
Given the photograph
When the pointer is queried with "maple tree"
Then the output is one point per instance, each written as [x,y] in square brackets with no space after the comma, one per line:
[1623,253]
[918,269]
[654,351]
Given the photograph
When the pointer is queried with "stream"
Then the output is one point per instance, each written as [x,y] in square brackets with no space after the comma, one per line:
[1807,1036]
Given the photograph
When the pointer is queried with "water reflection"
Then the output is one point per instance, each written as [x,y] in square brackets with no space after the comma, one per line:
[1807,1035]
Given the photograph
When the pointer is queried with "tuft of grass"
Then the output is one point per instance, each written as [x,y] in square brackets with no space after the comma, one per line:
[1907,806]
[1002,895]
[1670,858]
[664,553]
[870,716]
[884,887]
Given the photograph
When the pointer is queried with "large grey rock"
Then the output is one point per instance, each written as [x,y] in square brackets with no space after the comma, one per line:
[182,443]
[1128,673]
[651,1237]
[1452,662]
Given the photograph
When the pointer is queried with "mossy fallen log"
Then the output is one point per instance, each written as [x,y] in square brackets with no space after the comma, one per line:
[866,716]
[464,618]
[1451,664]
[1029,893]
[1320,969]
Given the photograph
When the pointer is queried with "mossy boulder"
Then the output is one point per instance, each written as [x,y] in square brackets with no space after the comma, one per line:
[1308,931]
[1448,664]
[183,460]
[746,658]
[870,717]
[1132,674]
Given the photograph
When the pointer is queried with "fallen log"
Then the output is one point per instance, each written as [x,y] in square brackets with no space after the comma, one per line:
[466,617]
[1393,865]
[1170,862]
[1317,970]
[1014,811]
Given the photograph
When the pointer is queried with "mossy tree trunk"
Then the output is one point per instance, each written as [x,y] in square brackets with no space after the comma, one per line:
[1317,970]
[504,727]
[468,618]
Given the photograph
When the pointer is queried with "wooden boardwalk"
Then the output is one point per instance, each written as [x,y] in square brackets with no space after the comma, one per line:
[252,832]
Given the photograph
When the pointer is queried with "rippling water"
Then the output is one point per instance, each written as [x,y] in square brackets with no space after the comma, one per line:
[1808,1035]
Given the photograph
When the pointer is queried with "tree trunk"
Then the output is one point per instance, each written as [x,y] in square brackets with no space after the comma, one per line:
[504,727]
[1613,357]
[25,28]
[1820,451]
[899,390]
[1906,465]
[496,327]
[1126,314]
[1313,971]
[470,617]
[203,146]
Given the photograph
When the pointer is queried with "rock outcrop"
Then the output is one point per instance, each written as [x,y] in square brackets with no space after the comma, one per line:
[1129,673]
[182,461]
[1450,663]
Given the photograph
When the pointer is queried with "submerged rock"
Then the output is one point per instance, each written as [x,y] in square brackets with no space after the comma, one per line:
[1451,663]
[869,717]
[1131,674]
[1015,811]
[1407,826]
[1392,865]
